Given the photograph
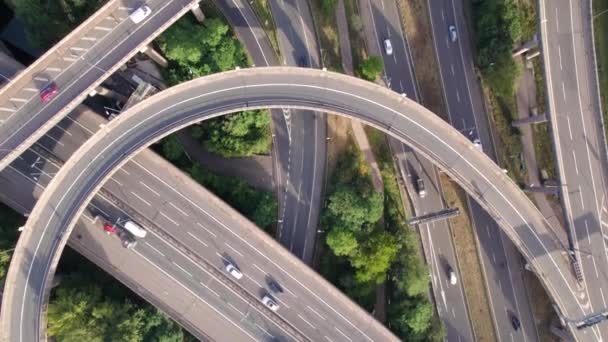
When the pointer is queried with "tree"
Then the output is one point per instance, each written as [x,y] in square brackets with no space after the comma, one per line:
[48,21]
[329,8]
[237,135]
[374,258]
[419,318]
[172,148]
[342,242]
[370,68]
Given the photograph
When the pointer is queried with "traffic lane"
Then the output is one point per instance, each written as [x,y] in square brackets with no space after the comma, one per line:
[200,235]
[222,298]
[250,33]
[78,77]
[107,252]
[440,251]
[582,166]
[153,284]
[292,40]
[397,66]
[499,281]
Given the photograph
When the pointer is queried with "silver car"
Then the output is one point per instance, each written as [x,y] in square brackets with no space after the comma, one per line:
[388,47]
[453,34]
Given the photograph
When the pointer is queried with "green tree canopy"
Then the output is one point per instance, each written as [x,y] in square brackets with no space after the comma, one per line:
[236,135]
[371,68]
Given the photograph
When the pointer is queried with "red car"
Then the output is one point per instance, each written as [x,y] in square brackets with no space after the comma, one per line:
[48,92]
[109,229]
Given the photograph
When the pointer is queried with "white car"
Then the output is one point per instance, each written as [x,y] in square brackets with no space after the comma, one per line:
[477,144]
[235,272]
[452,32]
[270,303]
[140,14]
[452,276]
[388,47]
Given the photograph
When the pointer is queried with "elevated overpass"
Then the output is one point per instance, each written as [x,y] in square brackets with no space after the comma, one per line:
[77,64]
[53,217]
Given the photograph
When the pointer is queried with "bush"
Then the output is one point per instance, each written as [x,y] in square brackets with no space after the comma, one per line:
[498,25]
[329,8]
[370,68]
[236,135]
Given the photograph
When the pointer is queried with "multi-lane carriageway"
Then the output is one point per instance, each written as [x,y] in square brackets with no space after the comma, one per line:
[76,65]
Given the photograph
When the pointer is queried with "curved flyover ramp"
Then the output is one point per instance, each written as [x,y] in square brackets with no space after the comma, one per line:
[51,221]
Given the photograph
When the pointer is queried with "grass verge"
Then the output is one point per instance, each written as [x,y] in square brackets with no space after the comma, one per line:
[415,21]
[600,29]
[355,32]
[541,133]
[262,11]
[327,30]
[465,243]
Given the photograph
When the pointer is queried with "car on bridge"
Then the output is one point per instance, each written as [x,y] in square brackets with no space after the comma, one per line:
[47,93]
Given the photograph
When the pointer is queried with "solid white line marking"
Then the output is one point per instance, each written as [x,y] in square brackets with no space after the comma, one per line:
[169,218]
[252,280]
[258,267]
[33,90]
[55,140]
[603,299]
[40,78]
[18,99]
[588,235]
[155,249]
[178,209]
[197,239]
[205,228]
[149,188]
[559,53]
[117,182]
[141,199]
[329,339]
[91,39]
[197,296]
[569,128]
[125,171]
[53,69]
[210,290]
[564,91]
[264,330]
[575,163]
[181,268]
[580,193]
[235,251]
[7,109]
[343,334]
[597,274]
[235,309]
[307,322]
[316,313]
[102,28]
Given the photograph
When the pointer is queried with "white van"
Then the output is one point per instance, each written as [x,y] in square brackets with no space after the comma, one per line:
[135,229]
[140,14]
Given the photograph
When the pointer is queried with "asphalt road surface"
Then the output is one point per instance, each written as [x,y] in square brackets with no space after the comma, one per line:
[306,148]
[576,116]
[439,250]
[76,66]
[501,263]
[46,231]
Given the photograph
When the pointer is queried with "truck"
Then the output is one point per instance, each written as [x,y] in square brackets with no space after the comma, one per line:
[135,229]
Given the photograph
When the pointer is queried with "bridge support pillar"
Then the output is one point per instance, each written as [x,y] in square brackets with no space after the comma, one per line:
[155,56]
[198,13]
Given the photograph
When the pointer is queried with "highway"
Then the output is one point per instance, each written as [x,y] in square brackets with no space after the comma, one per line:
[439,250]
[576,122]
[306,148]
[47,231]
[501,263]
[77,64]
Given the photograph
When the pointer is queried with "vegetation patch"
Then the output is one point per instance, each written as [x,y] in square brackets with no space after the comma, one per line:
[259,206]
[46,22]
[10,220]
[600,30]
[358,255]
[262,11]
[327,31]
[195,50]
[90,305]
